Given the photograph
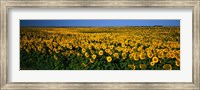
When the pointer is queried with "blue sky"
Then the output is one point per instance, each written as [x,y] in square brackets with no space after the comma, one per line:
[108,22]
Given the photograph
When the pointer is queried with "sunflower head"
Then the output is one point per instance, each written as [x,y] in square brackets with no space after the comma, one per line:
[94,56]
[78,54]
[110,52]
[166,50]
[150,54]
[136,57]
[142,56]
[172,55]
[155,59]
[177,63]
[131,56]
[109,59]
[177,57]
[86,55]
[143,66]
[83,50]
[152,63]
[55,57]
[116,55]
[100,52]
[160,54]
[168,55]
[123,55]
[167,67]
[92,51]
[91,61]
[132,66]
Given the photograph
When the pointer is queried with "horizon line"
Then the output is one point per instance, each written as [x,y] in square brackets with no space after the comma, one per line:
[106,26]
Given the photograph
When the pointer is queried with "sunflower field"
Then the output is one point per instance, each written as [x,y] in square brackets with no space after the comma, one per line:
[100,48]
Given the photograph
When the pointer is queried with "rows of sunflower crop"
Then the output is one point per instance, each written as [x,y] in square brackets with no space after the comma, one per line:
[116,48]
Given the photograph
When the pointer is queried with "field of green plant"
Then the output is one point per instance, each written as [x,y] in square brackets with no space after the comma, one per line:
[100,48]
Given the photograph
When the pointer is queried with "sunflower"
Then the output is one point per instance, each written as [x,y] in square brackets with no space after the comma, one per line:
[94,56]
[150,54]
[86,55]
[92,51]
[109,59]
[142,56]
[84,65]
[90,46]
[152,63]
[166,50]
[131,56]
[110,52]
[167,67]
[143,66]
[147,50]
[116,55]
[177,63]
[71,51]
[125,50]
[55,50]
[155,59]
[132,66]
[78,54]
[178,51]
[172,55]
[160,54]
[91,61]
[123,45]
[100,52]
[107,50]
[136,57]
[123,55]
[177,57]
[168,55]
[70,47]
[83,50]
[55,57]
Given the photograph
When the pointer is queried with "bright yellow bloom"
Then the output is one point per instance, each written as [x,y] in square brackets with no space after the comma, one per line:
[155,59]
[91,61]
[177,57]
[142,56]
[92,51]
[100,52]
[110,52]
[150,54]
[94,56]
[177,63]
[152,63]
[172,55]
[83,50]
[168,55]
[116,55]
[91,44]
[160,54]
[131,56]
[86,55]
[136,57]
[123,55]
[71,51]
[78,54]
[107,50]
[109,59]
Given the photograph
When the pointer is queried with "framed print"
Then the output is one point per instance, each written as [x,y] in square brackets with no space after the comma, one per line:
[119,44]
